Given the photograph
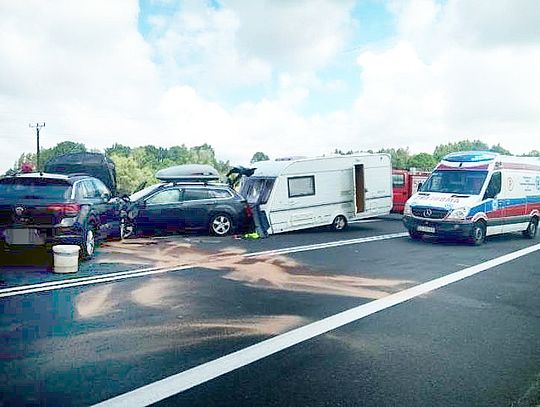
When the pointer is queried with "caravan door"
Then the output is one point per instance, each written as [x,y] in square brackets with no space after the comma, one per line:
[359,188]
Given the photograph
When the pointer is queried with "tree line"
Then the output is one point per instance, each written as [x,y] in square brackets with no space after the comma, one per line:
[136,166]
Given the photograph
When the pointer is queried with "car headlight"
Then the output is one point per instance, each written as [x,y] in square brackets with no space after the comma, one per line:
[407,209]
[459,213]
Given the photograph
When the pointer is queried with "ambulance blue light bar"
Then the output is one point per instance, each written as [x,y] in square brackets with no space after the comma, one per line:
[470,156]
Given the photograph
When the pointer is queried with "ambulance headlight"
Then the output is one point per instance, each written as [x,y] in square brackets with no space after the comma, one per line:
[407,209]
[459,213]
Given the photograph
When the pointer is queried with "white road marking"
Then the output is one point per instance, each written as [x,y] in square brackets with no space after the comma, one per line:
[326,245]
[185,380]
[122,275]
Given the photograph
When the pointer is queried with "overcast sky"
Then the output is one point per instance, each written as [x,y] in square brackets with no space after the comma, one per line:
[286,77]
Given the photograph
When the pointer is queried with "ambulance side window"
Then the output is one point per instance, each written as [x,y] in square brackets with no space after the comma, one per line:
[494,186]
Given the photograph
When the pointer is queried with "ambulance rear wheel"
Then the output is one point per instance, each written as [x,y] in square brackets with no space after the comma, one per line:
[532,229]
[478,233]
[339,223]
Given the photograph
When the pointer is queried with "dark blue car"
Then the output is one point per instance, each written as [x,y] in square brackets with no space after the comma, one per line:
[40,209]
[170,207]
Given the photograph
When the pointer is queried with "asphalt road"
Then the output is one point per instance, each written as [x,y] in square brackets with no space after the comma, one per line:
[198,298]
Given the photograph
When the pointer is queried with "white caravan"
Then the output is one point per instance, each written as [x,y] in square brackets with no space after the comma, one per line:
[302,193]
[476,194]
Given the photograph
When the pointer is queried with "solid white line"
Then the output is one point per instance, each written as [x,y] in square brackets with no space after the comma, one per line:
[122,275]
[180,382]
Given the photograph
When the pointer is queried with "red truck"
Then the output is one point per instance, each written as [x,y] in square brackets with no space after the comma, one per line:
[405,183]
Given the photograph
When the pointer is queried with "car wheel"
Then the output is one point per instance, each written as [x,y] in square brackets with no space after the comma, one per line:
[88,245]
[478,233]
[221,225]
[415,235]
[339,223]
[127,229]
[532,229]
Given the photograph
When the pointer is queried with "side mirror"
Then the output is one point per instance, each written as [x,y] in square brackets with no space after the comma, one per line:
[106,196]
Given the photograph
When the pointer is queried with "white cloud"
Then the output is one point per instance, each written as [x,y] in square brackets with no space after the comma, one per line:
[452,76]
[448,75]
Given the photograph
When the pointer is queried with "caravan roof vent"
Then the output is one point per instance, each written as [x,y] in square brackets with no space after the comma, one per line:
[188,173]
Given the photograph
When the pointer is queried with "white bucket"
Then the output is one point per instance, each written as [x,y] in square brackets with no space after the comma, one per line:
[66,258]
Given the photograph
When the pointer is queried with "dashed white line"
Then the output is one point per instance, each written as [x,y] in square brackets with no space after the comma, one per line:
[180,382]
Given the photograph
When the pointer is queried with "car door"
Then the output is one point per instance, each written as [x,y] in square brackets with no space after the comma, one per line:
[496,205]
[90,196]
[197,205]
[161,212]
[109,211]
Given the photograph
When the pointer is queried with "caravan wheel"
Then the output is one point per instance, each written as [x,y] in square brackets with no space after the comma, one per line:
[339,223]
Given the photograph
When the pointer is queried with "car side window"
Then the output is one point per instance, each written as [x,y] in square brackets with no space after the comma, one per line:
[101,188]
[164,197]
[85,190]
[195,194]
[220,193]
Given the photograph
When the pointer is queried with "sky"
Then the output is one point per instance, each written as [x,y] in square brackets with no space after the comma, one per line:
[285,77]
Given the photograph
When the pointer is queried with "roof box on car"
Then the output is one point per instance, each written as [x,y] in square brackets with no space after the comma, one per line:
[188,173]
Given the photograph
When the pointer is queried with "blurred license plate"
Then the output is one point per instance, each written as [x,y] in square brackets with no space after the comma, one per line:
[24,236]
[427,229]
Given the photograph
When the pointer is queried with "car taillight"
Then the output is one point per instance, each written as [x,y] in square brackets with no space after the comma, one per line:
[65,209]
[249,211]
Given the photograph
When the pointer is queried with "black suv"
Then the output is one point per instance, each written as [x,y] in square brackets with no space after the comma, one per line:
[46,209]
[171,207]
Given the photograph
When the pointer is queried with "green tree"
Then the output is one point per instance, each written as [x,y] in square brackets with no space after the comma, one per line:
[400,157]
[130,175]
[532,153]
[118,150]
[499,149]
[464,145]
[259,156]
[422,161]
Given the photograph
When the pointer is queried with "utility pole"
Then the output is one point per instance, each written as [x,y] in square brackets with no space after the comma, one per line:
[37,126]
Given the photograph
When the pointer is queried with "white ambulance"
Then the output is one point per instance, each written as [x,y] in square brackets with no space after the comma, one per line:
[475,194]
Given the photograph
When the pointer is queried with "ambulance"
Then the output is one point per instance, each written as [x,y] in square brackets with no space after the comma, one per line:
[475,194]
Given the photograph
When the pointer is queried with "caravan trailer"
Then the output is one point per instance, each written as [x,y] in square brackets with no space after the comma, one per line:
[302,193]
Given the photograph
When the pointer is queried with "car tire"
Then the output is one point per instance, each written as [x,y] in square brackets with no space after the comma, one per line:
[221,225]
[478,233]
[532,229]
[89,242]
[339,223]
[415,235]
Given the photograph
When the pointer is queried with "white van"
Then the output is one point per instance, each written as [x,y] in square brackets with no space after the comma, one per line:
[302,193]
[476,194]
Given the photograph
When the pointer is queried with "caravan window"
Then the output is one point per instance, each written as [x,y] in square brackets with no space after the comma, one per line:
[257,190]
[301,186]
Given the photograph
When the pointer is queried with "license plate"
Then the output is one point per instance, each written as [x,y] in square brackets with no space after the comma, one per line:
[24,236]
[427,229]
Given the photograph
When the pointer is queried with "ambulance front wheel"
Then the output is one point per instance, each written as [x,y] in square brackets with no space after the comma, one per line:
[478,233]
[532,229]
[339,223]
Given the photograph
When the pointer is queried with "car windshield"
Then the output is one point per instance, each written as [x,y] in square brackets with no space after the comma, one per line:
[257,190]
[143,192]
[34,188]
[461,182]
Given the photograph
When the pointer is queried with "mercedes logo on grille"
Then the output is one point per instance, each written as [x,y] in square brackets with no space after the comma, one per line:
[427,213]
[19,210]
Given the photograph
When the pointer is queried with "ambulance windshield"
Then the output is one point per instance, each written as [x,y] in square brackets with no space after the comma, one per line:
[462,182]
